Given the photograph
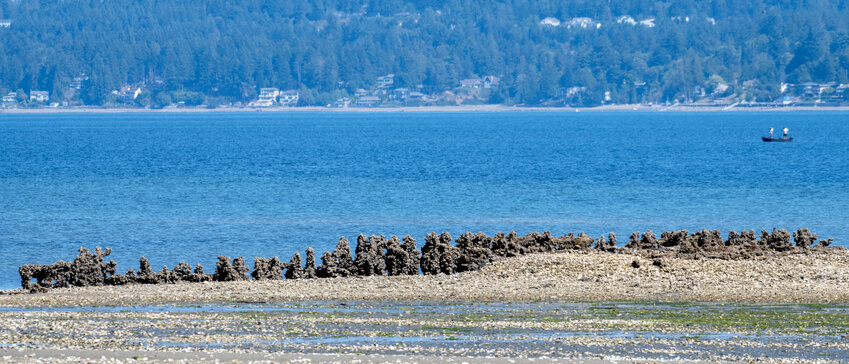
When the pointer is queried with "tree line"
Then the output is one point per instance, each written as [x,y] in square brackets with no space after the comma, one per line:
[326,49]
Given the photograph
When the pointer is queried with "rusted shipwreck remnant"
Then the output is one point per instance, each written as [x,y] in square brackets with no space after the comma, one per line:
[377,255]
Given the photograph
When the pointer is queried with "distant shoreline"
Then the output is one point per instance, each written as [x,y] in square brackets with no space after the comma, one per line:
[428,109]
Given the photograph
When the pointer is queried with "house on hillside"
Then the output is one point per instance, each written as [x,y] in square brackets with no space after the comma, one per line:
[648,23]
[813,89]
[360,92]
[386,81]
[840,91]
[626,19]
[342,103]
[39,96]
[289,98]
[10,98]
[416,96]
[582,23]
[485,82]
[471,83]
[491,81]
[267,97]
[78,82]
[400,94]
[128,93]
[550,21]
[269,93]
[368,101]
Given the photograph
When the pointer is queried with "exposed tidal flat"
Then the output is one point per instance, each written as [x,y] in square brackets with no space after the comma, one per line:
[565,306]
[191,186]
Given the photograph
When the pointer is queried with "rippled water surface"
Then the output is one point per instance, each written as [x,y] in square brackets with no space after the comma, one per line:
[192,186]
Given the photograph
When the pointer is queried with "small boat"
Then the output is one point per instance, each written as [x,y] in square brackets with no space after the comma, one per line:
[768,139]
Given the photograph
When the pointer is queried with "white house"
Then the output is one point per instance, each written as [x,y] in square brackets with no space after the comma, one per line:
[5,23]
[582,23]
[386,81]
[11,97]
[648,23]
[626,19]
[289,97]
[267,97]
[78,81]
[368,101]
[550,21]
[39,96]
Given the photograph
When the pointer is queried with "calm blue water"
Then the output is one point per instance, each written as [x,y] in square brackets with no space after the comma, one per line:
[192,186]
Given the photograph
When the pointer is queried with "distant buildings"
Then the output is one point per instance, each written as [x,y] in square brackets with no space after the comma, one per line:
[5,23]
[39,96]
[368,101]
[582,23]
[270,96]
[550,21]
[386,81]
[485,82]
[78,82]
[10,98]
[129,93]
[626,19]
[289,98]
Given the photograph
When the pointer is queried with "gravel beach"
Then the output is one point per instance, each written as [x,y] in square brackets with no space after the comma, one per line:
[814,277]
[573,307]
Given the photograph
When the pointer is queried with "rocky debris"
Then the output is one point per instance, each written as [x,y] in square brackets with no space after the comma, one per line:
[309,267]
[745,239]
[824,243]
[377,255]
[647,241]
[608,245]
[294,270]
[475,251]
[199,275]
[370,260]
[165,276]
[401,258]
[413,254]
[572,242]
[267,269]
[709,240]
[537,243]
[337,264]
[121,279]
[182,272]
[438,256]
[226,272]
[87,269]
[145,274]
[778,240]
[506,245]
[804,239]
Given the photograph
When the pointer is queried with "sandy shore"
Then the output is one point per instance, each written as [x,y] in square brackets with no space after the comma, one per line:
[821,277]
[431,109]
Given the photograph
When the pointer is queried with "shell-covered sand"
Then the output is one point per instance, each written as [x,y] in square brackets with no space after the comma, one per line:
[815,277]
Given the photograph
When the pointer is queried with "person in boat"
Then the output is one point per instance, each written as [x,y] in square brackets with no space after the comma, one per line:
[770,132]
[785,132]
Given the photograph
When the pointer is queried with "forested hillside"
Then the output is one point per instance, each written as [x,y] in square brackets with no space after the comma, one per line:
[637,50]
